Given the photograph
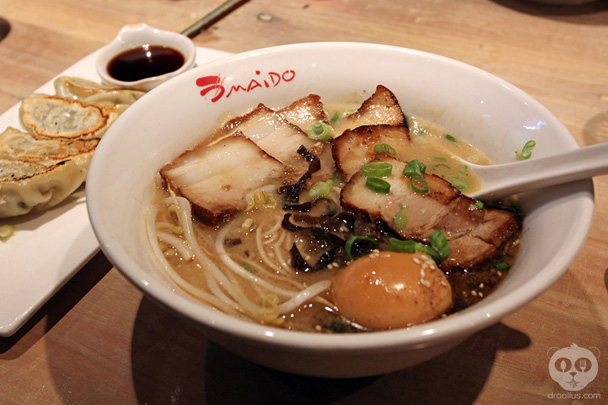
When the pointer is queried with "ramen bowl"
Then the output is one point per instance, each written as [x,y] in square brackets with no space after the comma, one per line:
[490,113]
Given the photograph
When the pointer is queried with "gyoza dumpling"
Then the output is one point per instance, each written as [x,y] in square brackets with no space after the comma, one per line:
[89,92]
[56,117]
[37,173]
[18,145]
[30,187]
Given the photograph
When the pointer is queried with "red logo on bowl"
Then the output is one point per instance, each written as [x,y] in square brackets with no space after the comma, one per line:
[216,83]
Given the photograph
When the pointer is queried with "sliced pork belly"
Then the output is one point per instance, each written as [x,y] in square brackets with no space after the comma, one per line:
[474,234]
[305,112]
[356,147]
[217,178]
[381,108]
[274,135]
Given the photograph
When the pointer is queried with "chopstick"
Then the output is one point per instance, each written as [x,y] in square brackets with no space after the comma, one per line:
[212,17]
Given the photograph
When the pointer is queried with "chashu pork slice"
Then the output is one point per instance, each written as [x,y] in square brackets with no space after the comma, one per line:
[355,147]
[381,108]
[272,133]
[281,139]
[217,178]
[475,235]
[305,112]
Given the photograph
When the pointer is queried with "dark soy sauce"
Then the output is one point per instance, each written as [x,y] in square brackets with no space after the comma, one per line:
[145,61]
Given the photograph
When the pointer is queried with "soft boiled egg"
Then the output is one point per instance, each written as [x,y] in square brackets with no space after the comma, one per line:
[386,290]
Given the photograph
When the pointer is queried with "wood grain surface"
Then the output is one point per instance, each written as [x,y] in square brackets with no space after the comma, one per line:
[99,340]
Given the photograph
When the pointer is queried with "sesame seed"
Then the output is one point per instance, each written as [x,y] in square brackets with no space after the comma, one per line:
[474,293]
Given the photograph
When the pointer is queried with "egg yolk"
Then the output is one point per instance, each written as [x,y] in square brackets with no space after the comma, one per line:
[386,290]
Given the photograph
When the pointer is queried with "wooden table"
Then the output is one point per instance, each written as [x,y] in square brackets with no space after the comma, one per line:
[99,340]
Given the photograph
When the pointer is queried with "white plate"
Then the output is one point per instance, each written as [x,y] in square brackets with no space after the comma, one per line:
[49,248]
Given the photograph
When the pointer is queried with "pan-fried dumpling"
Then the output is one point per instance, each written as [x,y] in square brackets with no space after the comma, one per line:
[89,92]
[18,145]
[37,173]
[52,117]
[30,187]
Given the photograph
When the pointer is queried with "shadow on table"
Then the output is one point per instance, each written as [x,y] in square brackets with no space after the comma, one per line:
[596,129]
[55,308]
[175,363]
[595,13]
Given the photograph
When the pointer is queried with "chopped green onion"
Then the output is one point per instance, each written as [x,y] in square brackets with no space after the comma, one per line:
[319,189]
[440,159]
[479,204]
[419,184]
[409,246]
[384,149]
[400,218]
[334,118]
[502,265]
[459,181]
[376,169]
[450,138]
[348,246]
[320,132]
[6,231]
[414,168]
[429,250]
[464,169]
[378,185]
[526,151]
[405,246]
[440,243]
[440,166]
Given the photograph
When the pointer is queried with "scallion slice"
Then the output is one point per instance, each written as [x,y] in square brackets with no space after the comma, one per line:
[350,242]
[419,184]
[440,166]
[450,138]
[479,204]
[502,265]
[384,149]
[319,189]
[459,181]
[440,243]
[404,246]
[378,185]
[320,132]
[400,218]
[6,231]
[409,246]
[334,118]
[414,168]
[377,169]
[526,151]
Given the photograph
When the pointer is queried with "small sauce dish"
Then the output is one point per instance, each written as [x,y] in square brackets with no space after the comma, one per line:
[142,57]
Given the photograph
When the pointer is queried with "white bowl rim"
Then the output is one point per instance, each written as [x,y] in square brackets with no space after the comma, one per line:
[463,323]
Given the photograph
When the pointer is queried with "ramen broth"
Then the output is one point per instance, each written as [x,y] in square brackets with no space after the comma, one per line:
[255,241]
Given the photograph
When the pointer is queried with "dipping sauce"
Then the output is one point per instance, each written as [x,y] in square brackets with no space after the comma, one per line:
[145,61]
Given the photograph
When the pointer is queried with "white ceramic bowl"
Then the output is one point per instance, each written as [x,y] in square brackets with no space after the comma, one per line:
[489,112]
[137,35]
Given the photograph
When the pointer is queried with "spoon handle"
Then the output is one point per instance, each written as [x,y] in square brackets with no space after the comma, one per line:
[511,178]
